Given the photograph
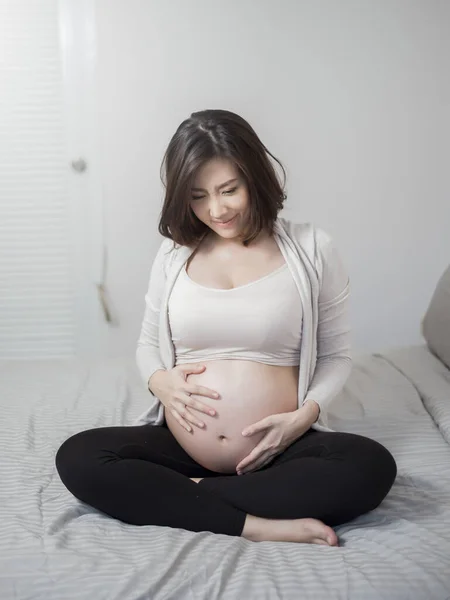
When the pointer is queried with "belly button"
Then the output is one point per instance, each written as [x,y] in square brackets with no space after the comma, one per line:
[222,437]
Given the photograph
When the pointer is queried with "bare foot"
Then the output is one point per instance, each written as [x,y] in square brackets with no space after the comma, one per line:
[307,531]
[196,479]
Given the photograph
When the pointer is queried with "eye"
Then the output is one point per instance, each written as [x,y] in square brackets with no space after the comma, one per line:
[229,192]
[197,197]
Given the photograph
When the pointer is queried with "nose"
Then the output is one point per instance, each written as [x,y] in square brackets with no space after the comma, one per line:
[217,210]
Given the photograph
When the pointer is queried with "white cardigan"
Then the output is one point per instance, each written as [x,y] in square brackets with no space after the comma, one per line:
[323,285]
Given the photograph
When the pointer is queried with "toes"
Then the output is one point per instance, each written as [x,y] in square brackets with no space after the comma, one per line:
[320,542]
[333,540]
[333,543]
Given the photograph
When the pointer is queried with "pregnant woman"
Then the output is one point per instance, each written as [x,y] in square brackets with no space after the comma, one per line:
[244,344]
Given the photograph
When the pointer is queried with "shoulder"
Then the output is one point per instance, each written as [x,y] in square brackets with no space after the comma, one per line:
[166,248]
[322,253]
[169,254]
[167,245]
[311,237]
[164,255]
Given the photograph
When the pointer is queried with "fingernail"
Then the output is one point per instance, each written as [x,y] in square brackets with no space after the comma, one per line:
[212,412]
[216,395]
[201,424]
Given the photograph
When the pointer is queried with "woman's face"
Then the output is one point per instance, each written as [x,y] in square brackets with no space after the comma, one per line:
[220,199]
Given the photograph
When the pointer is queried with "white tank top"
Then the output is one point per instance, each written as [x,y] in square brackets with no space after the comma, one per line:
[260,321]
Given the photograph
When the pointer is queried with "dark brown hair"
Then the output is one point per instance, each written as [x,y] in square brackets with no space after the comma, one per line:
[217,134]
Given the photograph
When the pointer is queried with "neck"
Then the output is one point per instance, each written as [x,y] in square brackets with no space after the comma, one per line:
[236,242]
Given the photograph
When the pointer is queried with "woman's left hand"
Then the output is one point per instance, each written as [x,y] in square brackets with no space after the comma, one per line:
[281,431]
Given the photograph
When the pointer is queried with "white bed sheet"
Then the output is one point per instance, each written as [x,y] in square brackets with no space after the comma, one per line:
[54,547]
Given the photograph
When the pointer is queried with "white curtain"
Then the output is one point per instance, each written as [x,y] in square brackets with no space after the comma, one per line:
[37,312]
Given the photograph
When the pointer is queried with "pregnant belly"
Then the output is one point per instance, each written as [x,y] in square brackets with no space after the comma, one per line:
[249,391]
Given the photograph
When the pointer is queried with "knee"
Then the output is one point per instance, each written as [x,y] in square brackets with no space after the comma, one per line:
[72,459]
[377,468]
[382,462]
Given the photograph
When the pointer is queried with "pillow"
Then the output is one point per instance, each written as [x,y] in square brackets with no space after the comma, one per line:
[436,322]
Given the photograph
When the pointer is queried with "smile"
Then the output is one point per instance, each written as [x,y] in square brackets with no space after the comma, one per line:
[225,223]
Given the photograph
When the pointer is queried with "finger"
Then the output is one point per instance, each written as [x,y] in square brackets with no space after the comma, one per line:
[187,415]
[258,427]
[262,461]
[199,390]
[192,368]
[196,405]
[257,466]
[254,455]
[181,421]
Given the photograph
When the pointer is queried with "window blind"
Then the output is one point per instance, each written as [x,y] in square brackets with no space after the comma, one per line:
[37,313]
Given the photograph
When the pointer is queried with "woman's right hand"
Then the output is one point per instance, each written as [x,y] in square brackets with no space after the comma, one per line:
[172,388]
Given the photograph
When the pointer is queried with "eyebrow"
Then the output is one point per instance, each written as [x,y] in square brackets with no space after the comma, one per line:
[219,187]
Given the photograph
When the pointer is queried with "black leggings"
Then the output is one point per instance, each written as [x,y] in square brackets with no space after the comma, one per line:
[140,475]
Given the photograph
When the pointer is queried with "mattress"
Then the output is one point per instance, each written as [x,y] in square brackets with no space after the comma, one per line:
[54,547]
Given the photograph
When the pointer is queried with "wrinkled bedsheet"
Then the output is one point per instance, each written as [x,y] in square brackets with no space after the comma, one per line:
[53,547]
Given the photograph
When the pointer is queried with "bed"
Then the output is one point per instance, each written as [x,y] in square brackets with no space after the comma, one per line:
[53,547]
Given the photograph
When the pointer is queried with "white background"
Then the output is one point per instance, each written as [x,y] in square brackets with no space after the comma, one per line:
[49,258]
[353,96]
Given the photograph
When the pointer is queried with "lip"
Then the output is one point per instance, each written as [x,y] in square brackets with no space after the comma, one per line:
[226,223]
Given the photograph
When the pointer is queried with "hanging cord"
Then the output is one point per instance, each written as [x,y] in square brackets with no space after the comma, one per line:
[101,288]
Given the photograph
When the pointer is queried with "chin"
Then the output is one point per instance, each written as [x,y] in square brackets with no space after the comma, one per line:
[225,233]
[228,235]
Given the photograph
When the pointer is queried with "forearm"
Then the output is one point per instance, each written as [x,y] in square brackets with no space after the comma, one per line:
[155,382]
[329,378]
[148,362]
[305,416]
[147,353]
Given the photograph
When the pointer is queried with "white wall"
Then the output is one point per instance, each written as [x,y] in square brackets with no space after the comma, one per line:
[353,96]
[47,301]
